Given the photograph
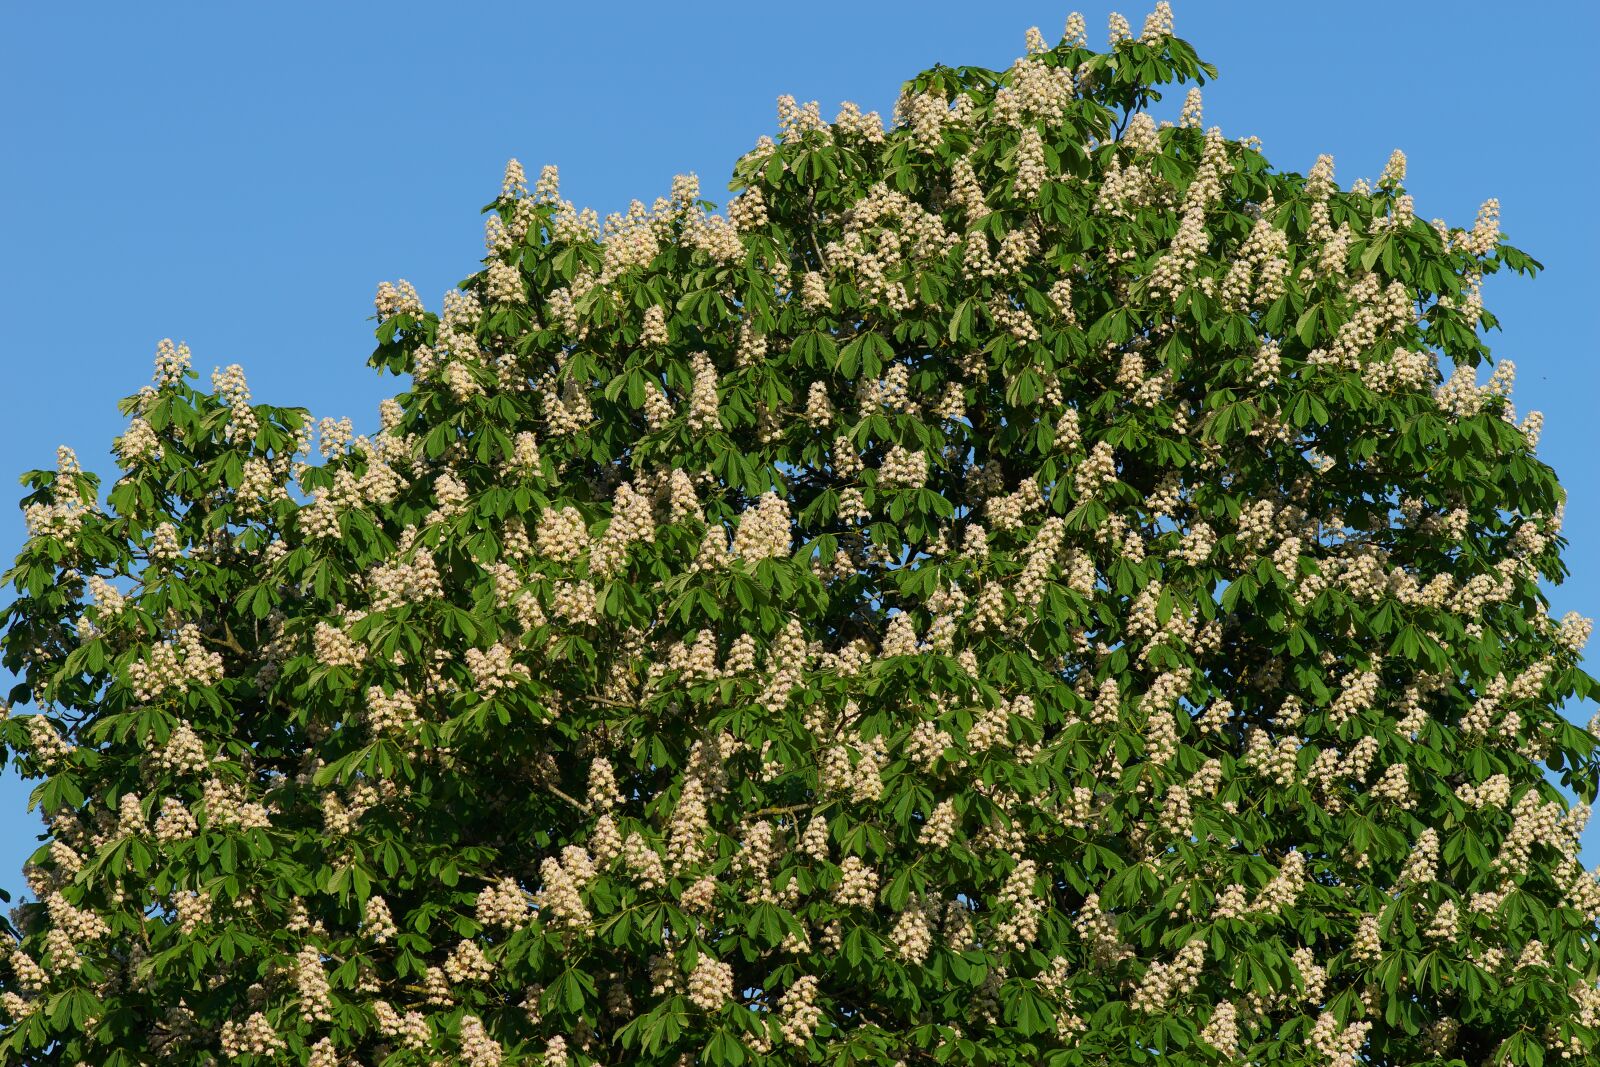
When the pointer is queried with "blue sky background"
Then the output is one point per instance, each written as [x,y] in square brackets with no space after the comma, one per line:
[241,177]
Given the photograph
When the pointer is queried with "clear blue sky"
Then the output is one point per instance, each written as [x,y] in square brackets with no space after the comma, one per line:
[242,176]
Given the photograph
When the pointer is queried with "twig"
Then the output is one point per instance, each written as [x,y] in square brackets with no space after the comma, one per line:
[580,805]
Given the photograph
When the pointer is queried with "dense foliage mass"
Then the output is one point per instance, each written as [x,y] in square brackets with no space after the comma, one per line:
[1019,588]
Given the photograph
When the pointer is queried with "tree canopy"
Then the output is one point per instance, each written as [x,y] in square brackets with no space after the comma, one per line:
[1027,584]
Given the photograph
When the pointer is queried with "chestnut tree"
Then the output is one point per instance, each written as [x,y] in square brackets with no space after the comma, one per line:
[1025,584]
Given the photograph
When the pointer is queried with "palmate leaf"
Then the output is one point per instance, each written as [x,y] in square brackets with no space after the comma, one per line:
[1016,589]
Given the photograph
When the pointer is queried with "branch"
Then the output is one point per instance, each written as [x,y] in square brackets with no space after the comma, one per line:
[580,805]
[231,642]
[785,809]
[811,228]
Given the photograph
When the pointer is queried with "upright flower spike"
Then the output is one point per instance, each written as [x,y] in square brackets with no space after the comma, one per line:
[965,600]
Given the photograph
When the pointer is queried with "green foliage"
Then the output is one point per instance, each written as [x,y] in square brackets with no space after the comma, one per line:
[1129,647]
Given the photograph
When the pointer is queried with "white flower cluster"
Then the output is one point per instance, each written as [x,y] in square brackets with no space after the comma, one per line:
[467,963]
[1485,233]
[717,237]
[324,1054]
[653,332]
[903,468]
[561,534]
[1357,695]
[1422,864]
[1032,168]
[1021,907]
[411,1030]
[377,920]
[632,521]
[1221,1031]
[184,663]
[46,745]
[502,903]
[703,412]
[1192,240]
[799,1011]
[1157,24]
[392,713]
[175,823]
[1339,1045]
[164,546]
[256,1037]
[857,885]
[503,284]
[1013,319]
[232,390]
[138,444]
[1534,822]
[764,530]
[1037,92]
[814,292]
[332,647]
[941,826]
[493,669]
[478,1049]
[577,603]
[172,363]
[927,743]
[1095,472]
[912,934]
[710,984]
[559,900]
[644,863]
[225,805]
[748,210]
[397,299]
[1395,786]
[311,981]
[1162,982]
